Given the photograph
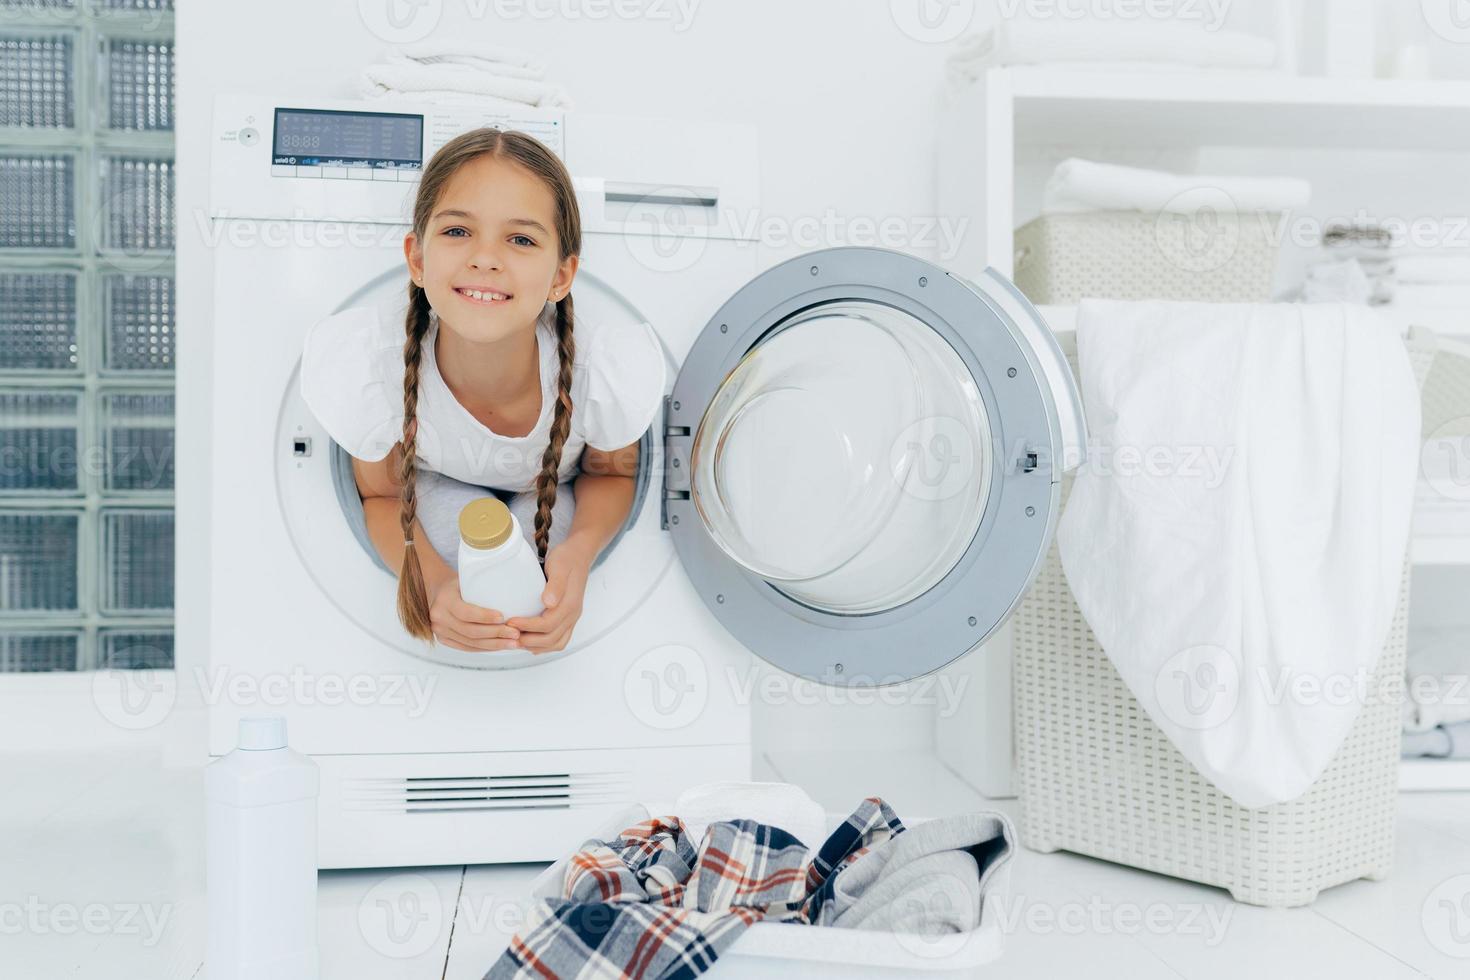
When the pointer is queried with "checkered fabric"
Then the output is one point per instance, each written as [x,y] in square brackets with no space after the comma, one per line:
[648,905]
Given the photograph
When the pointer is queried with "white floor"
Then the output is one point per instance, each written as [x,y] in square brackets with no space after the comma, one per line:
[100,876]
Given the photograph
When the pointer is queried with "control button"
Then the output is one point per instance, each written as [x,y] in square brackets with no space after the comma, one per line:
[281,170]
[335,173]
[305,171]
[359,173]
[384,175]
[405,175]
[248,136]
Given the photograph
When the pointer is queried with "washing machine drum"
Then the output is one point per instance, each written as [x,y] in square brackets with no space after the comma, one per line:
[863,462]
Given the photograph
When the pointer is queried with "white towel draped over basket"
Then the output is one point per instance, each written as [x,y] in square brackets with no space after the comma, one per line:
[1237,537]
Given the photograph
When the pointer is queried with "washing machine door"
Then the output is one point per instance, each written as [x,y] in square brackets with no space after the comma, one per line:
[863,462]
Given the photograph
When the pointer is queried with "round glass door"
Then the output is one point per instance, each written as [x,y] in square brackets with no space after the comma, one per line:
[844,459]
[864,462]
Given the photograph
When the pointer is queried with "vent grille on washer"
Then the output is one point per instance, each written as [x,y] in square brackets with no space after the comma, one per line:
[532,791]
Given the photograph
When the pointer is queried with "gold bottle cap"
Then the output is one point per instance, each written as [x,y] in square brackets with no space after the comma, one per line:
[485,523]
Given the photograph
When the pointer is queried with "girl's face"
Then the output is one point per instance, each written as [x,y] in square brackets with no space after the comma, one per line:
[491,233]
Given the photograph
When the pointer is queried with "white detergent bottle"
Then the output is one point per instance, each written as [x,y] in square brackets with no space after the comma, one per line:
[497,569]
[260,857]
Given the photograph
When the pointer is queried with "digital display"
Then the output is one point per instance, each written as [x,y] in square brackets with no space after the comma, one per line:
[334,138]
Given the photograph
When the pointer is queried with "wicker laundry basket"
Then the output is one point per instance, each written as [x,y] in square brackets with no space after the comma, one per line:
[1064,258]
[1097,776]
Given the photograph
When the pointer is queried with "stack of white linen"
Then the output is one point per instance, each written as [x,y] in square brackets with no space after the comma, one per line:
[463,73]
[1355,265]
[1090,44]
[1085,185]
[1433,280]
[1437,710]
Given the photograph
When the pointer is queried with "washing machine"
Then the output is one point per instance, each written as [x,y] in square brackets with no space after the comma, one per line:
[855,476]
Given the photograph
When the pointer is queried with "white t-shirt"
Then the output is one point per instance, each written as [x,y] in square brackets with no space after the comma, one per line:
[352,380]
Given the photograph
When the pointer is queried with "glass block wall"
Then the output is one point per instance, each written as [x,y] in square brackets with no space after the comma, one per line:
[86,334]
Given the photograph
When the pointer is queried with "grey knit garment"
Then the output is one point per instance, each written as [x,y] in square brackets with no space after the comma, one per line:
[930,880]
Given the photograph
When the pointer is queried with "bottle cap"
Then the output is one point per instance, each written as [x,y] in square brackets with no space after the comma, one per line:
[262,732]
[485,523]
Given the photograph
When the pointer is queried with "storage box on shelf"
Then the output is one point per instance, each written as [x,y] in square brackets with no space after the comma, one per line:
[1210,257]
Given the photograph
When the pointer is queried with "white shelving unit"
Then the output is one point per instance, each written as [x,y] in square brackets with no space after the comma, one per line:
[1034,107]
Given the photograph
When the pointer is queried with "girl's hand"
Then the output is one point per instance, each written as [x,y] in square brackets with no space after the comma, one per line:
[567,566]
[463,626]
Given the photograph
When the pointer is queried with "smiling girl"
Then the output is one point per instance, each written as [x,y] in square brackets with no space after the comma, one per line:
[483,384]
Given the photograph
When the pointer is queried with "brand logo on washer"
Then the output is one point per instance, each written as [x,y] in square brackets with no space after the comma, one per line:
[667,687]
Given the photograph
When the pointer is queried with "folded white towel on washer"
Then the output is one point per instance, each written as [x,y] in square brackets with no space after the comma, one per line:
[1236,537]
[462,72]
[1013,42]
[1085,185]
[493,58]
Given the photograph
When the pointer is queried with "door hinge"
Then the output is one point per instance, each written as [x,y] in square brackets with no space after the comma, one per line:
[676,463]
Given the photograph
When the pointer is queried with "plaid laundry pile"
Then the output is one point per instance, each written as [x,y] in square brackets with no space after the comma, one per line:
[648,905]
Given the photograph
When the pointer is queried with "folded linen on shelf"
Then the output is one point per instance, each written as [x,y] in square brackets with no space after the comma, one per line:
[1432,296]
[1051,42]
[1429,267]
[1438,681]
[1085,185]
[1443,742]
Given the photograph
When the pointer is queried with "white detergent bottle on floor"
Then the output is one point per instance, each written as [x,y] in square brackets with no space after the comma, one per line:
[260,858]
[497,569]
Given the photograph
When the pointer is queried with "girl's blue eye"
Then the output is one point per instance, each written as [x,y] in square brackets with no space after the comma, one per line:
[449,230]
[523,238]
